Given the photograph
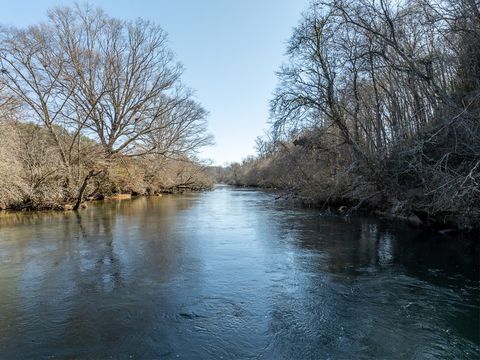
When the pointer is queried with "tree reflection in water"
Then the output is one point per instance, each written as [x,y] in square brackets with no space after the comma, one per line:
[231,273]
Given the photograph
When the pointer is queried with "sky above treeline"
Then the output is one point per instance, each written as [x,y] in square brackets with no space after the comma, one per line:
[230,50]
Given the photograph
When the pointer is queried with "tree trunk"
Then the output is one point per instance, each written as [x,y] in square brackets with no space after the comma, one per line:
[81,191]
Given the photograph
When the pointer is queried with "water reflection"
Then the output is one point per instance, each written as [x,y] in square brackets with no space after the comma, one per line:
[231,274]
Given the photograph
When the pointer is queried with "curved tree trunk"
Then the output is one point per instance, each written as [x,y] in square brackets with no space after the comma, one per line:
[81,191]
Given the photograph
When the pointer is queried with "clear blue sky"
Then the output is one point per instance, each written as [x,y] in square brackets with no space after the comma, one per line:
[229,48]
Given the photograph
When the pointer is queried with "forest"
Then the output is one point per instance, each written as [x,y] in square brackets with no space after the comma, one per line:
[92,106]
[377,108]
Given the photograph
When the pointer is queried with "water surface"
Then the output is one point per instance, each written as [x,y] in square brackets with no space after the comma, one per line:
[231,274]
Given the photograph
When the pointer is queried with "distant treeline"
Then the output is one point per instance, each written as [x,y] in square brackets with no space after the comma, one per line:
[378,107]
[91,106]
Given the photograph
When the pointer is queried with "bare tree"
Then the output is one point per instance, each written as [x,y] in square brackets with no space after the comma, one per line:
[105,89]
[380,99]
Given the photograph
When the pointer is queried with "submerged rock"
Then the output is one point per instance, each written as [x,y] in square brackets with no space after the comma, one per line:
[415,220]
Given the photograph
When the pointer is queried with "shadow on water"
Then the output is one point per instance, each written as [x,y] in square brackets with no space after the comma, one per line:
[231,274]
[401,285]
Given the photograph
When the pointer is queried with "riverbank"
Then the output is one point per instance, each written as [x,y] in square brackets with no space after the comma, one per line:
[69,205]
[427,180]
[395,211]
[390,210]
[38,180]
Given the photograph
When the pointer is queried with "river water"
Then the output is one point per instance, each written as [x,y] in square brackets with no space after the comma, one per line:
[231,274]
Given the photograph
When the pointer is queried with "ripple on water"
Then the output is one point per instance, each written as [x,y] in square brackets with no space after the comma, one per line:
[232,274]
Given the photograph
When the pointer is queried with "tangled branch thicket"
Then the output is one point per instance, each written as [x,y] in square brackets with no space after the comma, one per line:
[90,106]
[378,106]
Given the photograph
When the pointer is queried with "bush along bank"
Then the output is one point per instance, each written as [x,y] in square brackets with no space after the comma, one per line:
[377,107]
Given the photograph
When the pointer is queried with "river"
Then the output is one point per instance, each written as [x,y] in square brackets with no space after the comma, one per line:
[231,274]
